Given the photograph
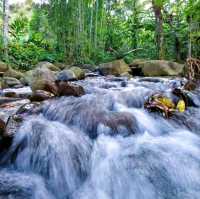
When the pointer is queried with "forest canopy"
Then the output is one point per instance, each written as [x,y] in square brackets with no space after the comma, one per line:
[97,31]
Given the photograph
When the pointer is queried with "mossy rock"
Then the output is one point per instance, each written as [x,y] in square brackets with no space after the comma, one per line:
[152,68]
[116,68]
[79,73]
[48,65]
[3,67]
[13,73]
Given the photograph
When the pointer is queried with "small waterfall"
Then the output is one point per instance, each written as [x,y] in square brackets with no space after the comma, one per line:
[104,145]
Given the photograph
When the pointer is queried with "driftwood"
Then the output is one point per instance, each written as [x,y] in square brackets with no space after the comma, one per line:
[122,55]
[193,69]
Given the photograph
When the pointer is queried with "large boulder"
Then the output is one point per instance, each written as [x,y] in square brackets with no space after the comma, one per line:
[3,67]
[116,68]
[48,65]
[79,73]
[43,79]
[160,68]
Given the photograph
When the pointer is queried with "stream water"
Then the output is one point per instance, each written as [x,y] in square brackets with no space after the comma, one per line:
[104,145]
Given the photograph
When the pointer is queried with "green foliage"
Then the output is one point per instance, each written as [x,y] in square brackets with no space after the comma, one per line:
[25,56]
[19,28]
[96,31]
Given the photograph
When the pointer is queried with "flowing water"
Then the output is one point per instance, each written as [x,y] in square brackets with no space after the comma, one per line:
[104,145]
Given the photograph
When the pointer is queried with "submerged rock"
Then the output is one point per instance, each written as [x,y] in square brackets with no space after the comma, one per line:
[11,94]
[66,75]
[5,100]
[17,185]
[2,128]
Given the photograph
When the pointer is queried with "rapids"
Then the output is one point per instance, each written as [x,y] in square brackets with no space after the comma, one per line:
[104,145]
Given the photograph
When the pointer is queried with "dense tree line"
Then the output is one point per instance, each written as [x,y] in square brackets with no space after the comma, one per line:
[95,31]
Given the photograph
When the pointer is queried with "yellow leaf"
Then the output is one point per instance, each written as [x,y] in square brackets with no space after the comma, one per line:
[166,102]
[181,106]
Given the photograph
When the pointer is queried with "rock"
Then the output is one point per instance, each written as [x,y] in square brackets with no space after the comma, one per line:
[45,85]
[43,79]
[127,75]
[11,82]
[29,109]
[5,141]
[185,96]
[151,79]
[48,65]
[27,78]
[13,73]
[124,83]
[62,66]
[1,85]
[12,115]
[66,75]
[91,74]
[24,92]
[12,126]
[10,94]
[5,100]
[10,108]
[69,89]
[2,128]
[3,67]
[79,73]
[89,67]
[37,73]
[115,68]
[16,112]
[161,68]
[41,95]
[8,126]
[137,63]
[117,120]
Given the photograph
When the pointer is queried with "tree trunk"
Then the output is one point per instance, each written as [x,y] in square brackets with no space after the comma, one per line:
[159,29]
[190,39]
[135,23]
[5,27]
